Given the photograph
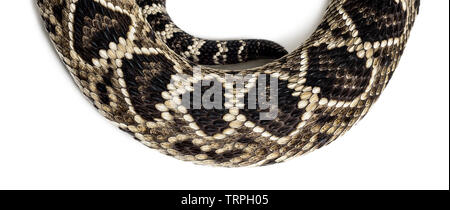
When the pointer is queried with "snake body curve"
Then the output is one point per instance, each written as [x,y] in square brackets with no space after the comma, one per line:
[127,57]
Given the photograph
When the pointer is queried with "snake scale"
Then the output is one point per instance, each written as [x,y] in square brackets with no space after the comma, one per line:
[136,66]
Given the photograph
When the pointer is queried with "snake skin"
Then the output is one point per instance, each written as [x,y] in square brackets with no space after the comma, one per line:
[201,51]
[125,56]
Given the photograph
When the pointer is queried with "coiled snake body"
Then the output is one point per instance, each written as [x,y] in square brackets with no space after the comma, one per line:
[136,66]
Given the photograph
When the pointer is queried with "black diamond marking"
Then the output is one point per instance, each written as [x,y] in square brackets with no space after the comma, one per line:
[377,20]
[210,121]
[147,76]
[340,75]
[95,27]
[289,116]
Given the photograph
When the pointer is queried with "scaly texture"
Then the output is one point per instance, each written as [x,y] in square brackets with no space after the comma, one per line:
[201,51]
[127,57]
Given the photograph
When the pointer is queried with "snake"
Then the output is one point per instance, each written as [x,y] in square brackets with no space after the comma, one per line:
[143,73]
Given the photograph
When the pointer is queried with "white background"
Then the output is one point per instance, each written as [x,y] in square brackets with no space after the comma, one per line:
[52,138]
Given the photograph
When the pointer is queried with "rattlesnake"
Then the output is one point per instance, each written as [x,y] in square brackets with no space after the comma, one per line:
[135,65]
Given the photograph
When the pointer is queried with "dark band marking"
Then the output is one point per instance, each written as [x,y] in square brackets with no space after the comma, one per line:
[233,51]
[210,121]
[258,49]
[147,76]
[340,75]
[289,116]
[377,20]
[95,27]
[207,53]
